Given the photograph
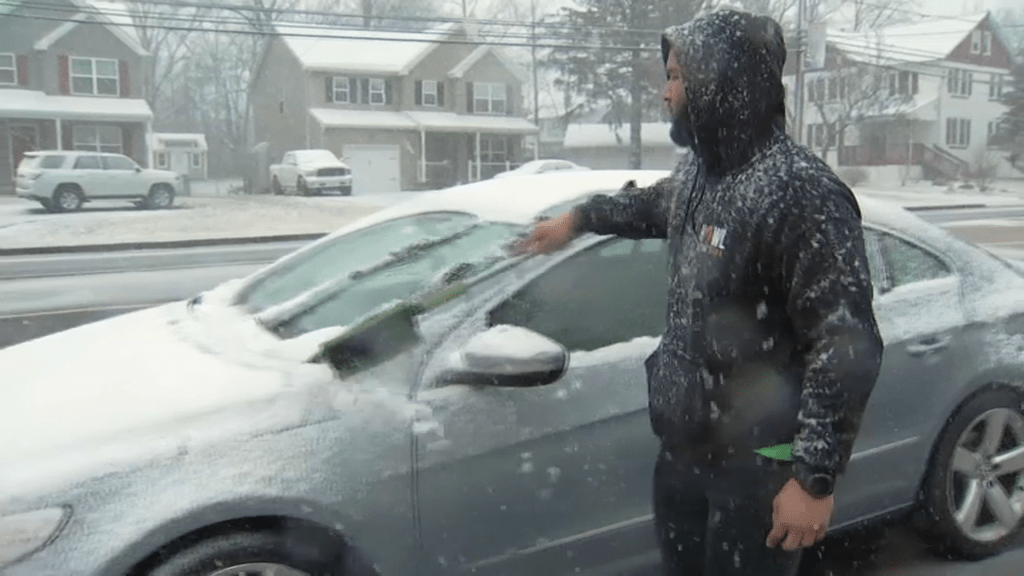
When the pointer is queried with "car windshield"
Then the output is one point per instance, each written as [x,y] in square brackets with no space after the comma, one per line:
[324,156]
[349,276]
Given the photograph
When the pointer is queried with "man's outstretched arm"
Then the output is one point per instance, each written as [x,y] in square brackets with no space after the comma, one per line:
[632,213]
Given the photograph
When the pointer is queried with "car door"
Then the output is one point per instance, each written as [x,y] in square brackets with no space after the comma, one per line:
[121,177]
[557,478]
[919,311]
[88,173]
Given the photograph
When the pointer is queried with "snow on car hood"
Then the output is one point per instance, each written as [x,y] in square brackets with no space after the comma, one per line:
[114,378]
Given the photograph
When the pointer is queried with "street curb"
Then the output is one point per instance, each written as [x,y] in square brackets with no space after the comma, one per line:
[124,246]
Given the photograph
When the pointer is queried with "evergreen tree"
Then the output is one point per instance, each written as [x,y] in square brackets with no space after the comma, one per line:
[1010,133]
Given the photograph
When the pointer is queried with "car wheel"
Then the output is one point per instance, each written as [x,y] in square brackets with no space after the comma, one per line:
[974,492]
[276,186]
[346,191]
[272,552]
[302,188]
[67,198]
[160,196]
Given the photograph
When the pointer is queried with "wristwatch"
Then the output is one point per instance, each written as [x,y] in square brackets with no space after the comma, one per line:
[818,484]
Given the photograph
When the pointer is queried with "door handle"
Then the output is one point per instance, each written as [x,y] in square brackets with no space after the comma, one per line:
[931,344]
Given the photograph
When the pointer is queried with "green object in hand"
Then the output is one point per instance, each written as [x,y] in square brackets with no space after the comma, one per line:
[779,452]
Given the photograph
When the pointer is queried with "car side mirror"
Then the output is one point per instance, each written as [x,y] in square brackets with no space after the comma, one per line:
[509,356]
[138,168]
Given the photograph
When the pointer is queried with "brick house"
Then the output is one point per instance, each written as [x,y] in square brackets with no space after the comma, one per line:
[406,110]
[71,77]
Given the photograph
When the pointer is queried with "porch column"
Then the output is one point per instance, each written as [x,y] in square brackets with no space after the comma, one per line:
[477,156]
[536,147]
[423,155]
[60,135]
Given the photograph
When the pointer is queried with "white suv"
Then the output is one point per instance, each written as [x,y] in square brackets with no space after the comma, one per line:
[63,180]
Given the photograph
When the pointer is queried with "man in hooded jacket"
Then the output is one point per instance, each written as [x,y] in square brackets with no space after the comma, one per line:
[771,348]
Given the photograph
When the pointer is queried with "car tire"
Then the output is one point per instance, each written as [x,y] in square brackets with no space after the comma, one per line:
[161,197]
[346,191]
[302,188]
[290,551]
[67,198]
[275,185]
[965,470]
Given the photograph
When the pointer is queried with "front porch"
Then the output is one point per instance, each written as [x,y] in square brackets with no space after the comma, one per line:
[901,143]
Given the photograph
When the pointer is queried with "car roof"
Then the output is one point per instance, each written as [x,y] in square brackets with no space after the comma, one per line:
[70,153]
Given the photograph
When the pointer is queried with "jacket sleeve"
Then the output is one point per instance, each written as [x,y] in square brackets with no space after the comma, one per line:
[632,213]
[829,300]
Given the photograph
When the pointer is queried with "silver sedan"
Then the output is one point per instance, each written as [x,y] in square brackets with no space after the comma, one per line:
[402,397]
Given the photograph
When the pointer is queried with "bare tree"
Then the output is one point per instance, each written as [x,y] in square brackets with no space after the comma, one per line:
[873,14]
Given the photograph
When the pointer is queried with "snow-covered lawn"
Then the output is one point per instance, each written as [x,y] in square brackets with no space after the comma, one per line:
[924,194]
[25,224]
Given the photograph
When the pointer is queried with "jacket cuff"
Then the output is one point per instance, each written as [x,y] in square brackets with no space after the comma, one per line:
[582,221]
[805,474]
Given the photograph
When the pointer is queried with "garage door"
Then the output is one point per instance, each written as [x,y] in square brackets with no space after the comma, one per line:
[374,168]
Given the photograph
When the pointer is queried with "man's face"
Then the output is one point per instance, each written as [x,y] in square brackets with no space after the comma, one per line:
[675,88]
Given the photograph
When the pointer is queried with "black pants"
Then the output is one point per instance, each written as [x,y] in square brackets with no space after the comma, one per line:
[713,519]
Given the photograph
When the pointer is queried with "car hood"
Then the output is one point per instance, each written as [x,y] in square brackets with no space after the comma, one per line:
[319,165]
[160,173]
[118,379]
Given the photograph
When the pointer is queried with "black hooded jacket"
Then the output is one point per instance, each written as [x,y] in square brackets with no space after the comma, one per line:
[771,337]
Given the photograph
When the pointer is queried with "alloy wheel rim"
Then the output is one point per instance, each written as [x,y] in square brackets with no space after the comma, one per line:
[986,481]
[68,200]
[161,197]
[259,569]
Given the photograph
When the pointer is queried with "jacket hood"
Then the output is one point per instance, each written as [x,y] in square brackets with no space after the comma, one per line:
[735,102]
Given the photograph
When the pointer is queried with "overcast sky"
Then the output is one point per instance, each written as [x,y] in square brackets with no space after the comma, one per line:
[958,7]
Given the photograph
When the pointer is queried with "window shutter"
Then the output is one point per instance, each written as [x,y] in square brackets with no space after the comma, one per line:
[509,100]
[22,64]
[419,92]
[365,97]
[329,87]
[469,97]
[67,136]
[387,91]
[913,80]
[353,91]
[63,74]
[440,93]
[126,89]
[126,143]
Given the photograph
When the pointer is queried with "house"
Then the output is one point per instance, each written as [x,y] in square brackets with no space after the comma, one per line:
[909,101]
[71,78]
[405,110]
[182,153]
[599,146]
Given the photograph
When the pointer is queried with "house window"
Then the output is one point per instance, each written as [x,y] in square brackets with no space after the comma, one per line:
[161,159]
[340,90]
[97,139]
[960,82]
[995,87]
[903,83]
[986,43]
[429,93]
[95,77]
[817,90]
[818,135]
[378,91]
[976,42]
[8,69]
[197,160]
[958,132]
[489,98]
[493,150]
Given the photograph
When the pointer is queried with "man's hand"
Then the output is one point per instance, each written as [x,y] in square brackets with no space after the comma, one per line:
[550,235]
[799,518]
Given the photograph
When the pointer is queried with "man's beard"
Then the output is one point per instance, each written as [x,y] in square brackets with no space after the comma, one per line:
[681,132]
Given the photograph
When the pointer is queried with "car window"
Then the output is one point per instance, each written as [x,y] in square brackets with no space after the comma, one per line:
[52,162]
[88,163]
[346,254]
[118,163]
[610,293]
[875,265]
[908,263]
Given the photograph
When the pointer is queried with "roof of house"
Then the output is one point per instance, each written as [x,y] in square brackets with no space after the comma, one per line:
[30,104]
[924,41]
[162,139]
[333,49]
[115,16]
[599,135]
[475,56]
[433,121]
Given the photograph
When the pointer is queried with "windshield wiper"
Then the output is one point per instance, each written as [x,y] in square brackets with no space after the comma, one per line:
[280,313]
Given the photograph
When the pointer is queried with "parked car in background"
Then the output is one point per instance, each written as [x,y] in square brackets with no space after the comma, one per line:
[543,167]
[405,397]
[307,172]
[64,180]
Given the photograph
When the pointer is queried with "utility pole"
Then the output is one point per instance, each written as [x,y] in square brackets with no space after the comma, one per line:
[536,87]
[800,92]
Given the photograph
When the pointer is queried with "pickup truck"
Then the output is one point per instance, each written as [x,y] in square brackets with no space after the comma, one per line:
[308,172]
